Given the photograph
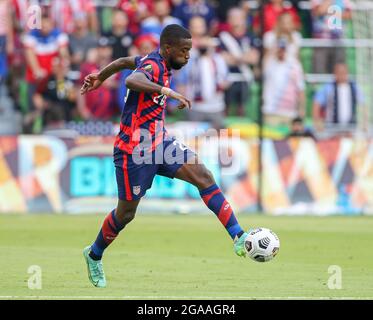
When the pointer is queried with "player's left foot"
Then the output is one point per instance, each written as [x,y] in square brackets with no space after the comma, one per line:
[239,245]
[95,271]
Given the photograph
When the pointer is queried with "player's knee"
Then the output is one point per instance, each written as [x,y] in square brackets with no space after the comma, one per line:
[125,216]
[205,179]
[129,217]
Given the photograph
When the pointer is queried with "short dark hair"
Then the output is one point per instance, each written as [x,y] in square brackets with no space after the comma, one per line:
[173,33]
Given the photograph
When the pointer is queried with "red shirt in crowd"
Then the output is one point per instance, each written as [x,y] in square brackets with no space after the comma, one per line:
[271,14]
[133,9]
[99,102]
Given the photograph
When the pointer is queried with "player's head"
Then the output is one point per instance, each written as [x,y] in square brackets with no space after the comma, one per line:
[176,43]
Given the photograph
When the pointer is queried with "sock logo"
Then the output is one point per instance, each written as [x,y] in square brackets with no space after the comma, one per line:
[226,206]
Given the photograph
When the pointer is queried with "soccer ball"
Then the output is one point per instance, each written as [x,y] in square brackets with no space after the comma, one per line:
[262,244]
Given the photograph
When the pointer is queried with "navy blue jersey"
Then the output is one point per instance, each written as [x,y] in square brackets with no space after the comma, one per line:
[145,112]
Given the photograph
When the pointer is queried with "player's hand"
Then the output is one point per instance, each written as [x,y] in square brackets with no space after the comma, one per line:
[91,82]
[184,102]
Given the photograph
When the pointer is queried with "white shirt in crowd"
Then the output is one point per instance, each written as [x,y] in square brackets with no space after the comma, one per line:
[283,82]
[212,70]
[344,103]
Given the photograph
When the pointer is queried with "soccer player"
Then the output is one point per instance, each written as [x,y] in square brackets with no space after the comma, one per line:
[143,148]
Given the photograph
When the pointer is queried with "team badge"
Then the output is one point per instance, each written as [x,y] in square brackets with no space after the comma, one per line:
[136,190]
[148,68]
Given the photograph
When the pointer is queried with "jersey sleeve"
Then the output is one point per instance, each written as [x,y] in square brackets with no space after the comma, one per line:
[150,68]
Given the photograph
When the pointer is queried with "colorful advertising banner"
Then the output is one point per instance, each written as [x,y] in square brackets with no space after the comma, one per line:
[301,176]
[40,174]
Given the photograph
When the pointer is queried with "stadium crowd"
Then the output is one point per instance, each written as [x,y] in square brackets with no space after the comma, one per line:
[42,63]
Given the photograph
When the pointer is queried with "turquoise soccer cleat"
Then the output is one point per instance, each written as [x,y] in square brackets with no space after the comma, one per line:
[239,245]
[95,271]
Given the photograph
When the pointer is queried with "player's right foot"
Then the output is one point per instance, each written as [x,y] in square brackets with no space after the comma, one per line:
[95,270]
[239,245]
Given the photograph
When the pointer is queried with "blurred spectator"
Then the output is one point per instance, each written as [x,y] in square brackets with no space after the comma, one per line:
[98,104]
[190,8]
[297,129]
[305,15]
[80,41]
[65,11]
[20,10]
[198,30]
[145,44]
[336,103]
[272,11]
[6,41]
[120,37]
[205,77]
[325,58]
[10,120]
[284,29]
[54,124]
[284,87]
[159,19]
[41,47]
[238,53]
[222,7]
[136,10]
[60,92]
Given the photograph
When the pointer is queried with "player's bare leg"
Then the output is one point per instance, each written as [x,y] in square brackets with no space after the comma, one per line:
[198,175]
[113,224]
[126,211]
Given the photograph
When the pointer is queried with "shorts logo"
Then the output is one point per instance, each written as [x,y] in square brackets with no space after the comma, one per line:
[136,190]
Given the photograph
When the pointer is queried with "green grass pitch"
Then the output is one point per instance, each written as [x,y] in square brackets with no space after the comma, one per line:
[186,257]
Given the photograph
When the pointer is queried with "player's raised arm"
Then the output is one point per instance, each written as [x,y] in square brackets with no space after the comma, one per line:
[140,83]
[95,80]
